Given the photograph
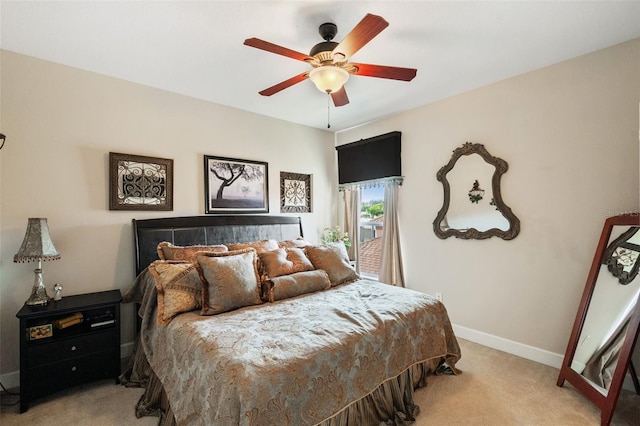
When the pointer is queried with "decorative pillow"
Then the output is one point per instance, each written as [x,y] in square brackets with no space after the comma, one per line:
[292,285]
[260,246]
[299,242]
[179,288]
[284,262]
[167,251]
[232,280]
[334,259]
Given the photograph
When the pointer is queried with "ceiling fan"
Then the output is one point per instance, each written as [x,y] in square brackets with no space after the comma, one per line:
[330,60]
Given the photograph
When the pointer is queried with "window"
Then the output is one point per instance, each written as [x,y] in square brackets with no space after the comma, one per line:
[371,223]
[369,164]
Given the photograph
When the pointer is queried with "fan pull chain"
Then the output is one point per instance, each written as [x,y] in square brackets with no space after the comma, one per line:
[328,109]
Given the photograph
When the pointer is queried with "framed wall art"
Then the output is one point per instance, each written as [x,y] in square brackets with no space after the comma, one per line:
[295,193]
[137,182]
[235,186]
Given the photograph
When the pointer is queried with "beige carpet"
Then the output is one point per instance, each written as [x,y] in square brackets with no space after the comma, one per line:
[495,388]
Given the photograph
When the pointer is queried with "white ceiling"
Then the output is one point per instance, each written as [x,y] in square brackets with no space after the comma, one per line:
[196,48]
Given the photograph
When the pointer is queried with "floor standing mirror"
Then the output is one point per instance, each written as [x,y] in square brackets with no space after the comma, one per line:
[605,331]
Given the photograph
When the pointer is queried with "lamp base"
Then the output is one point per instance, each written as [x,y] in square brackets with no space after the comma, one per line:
[39,294]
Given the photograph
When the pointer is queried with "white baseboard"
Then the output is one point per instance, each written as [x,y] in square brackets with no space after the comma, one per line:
[505,345]
[12,380]
[126,349]
[520,349]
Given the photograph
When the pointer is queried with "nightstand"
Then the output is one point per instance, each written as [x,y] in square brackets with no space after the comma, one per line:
[68,342]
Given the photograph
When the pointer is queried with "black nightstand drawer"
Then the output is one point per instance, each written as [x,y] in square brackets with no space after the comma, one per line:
[48,378]
[67,356]
[73,347]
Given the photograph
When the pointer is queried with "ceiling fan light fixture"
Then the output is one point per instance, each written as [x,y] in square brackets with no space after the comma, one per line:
[328,78]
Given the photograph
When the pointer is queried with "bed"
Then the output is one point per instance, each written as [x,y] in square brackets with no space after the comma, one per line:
[350,352]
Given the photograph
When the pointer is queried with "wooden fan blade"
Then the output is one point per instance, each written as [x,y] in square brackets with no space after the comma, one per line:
[340,97]
[274,48]
[283,85]
[361,34]
[382,71]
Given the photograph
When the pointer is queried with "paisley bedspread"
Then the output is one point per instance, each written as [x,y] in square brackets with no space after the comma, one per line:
[298,361]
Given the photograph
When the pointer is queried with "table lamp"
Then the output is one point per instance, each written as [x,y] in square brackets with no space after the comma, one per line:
[37,246]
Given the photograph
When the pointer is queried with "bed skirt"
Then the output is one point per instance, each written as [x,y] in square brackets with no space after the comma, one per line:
[390,404]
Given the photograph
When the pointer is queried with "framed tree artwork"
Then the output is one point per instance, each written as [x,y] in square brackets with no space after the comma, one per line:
[235,186]
[295,193]
[137,182]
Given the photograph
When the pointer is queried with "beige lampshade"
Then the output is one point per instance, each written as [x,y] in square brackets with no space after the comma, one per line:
[37,244]
[329,79]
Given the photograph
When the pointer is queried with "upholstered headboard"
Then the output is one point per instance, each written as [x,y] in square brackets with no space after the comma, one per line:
[208,230]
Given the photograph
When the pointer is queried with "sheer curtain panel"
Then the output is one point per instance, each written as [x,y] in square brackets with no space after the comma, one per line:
[352,201]
[391,271]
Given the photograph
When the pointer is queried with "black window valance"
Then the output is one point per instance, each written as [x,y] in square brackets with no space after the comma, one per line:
[372,158]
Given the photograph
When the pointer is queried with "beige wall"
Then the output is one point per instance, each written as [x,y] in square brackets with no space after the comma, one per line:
[61,123]
[569,133]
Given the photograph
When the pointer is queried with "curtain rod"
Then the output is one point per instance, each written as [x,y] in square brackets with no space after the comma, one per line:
[372,183]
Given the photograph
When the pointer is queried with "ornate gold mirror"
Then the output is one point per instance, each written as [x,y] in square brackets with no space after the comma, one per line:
[473,207]
[606,328]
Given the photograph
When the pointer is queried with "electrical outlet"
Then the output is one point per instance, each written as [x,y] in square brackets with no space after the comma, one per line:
[439,296]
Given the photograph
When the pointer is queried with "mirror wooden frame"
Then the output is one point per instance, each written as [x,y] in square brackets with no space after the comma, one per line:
[501,168]
[606,403]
